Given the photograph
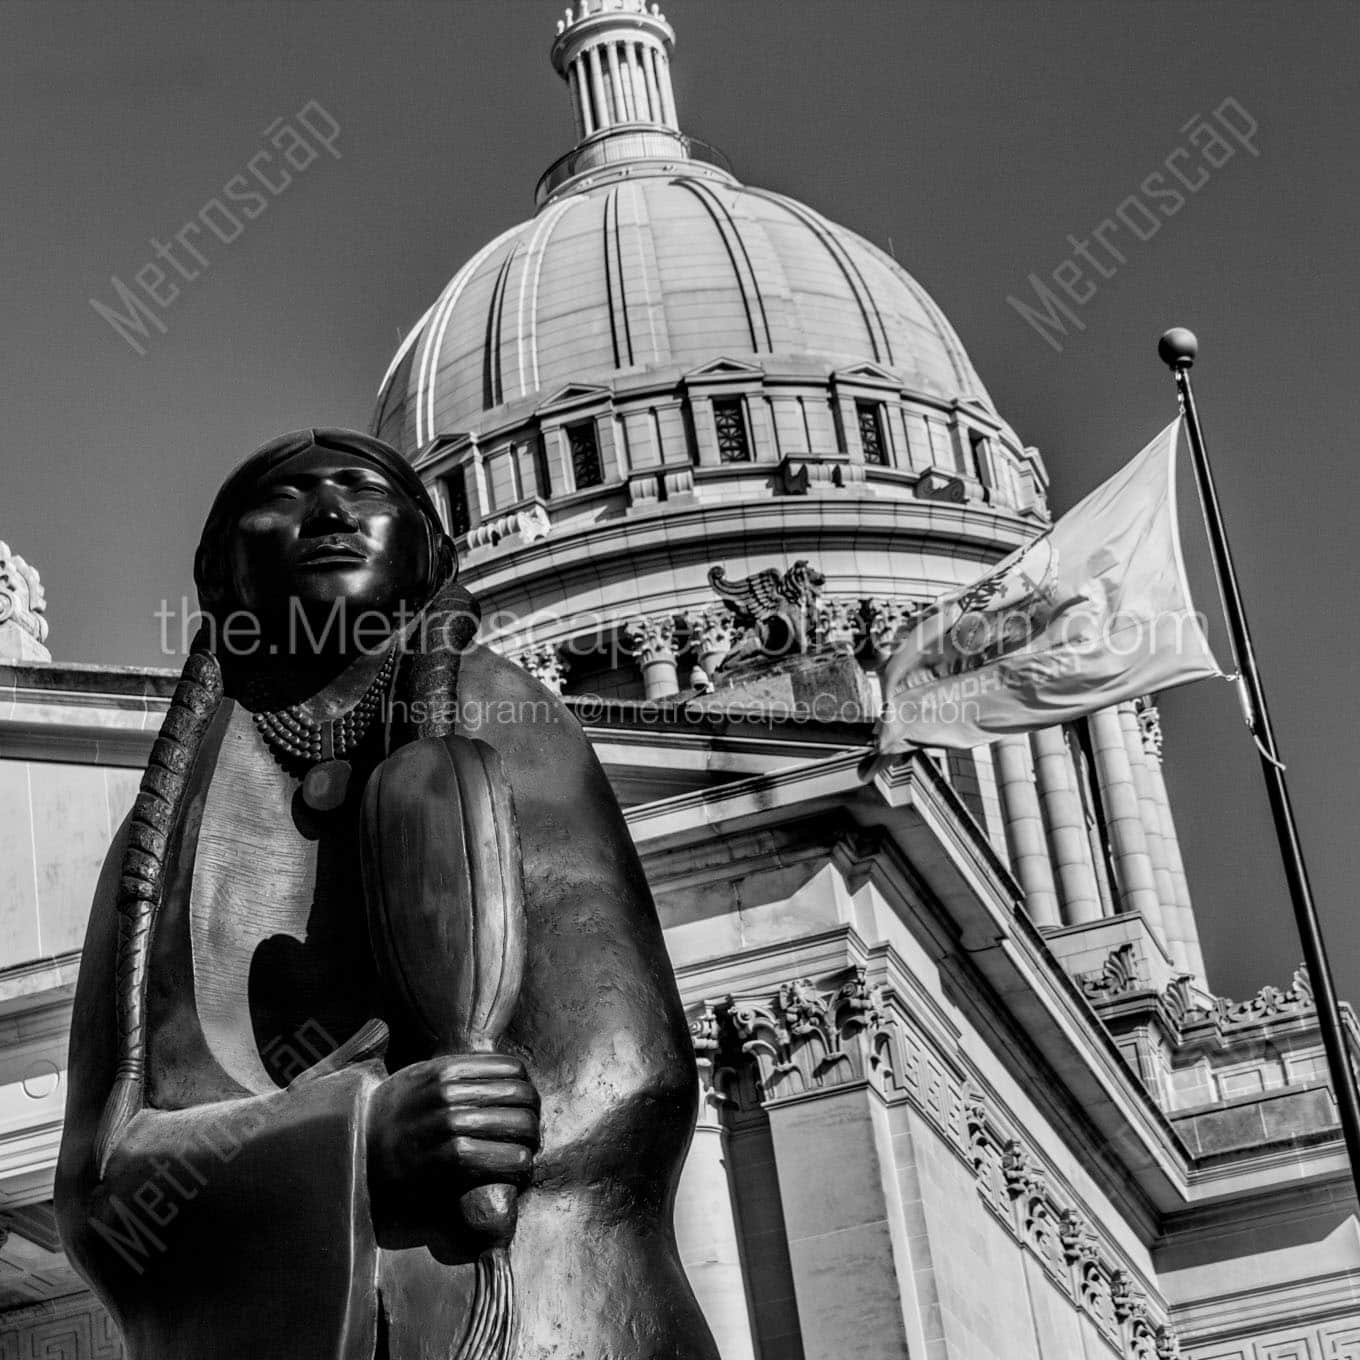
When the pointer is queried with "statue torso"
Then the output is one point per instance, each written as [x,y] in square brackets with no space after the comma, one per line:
[262,961]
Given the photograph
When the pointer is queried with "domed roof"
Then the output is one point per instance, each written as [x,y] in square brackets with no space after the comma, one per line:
[654,267]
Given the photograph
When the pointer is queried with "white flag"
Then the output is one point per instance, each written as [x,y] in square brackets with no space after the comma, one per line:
[1094,611]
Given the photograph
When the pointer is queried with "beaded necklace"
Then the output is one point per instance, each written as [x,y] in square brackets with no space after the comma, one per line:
[314,750]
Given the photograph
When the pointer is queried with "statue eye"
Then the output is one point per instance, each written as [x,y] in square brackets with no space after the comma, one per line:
[276,495]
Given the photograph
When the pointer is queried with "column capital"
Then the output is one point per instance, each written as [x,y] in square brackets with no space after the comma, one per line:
[651,638]
[546,665]
[808,1039]
[1150,727]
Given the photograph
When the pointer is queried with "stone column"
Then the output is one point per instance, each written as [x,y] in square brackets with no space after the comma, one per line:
[1137,883]
[1150,815]
[623,111]
[652,641]
[705,1219]
[663,81]
[584,117]
[847,1235]
[602,114]
[1149,720]
[1066,822]
[1025,829]
[649,79]
[638,85]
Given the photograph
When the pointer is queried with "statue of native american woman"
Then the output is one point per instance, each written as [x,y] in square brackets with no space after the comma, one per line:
[376,1051]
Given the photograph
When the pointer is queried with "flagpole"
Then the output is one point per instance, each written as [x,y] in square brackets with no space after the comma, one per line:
[1177,349]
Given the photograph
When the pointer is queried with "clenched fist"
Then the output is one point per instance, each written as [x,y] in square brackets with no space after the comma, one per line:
[438,1128]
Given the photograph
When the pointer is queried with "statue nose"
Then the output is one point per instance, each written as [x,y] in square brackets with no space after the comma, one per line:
[330,513]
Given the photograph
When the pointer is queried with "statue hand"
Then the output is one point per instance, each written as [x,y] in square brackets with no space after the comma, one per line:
[439,1128]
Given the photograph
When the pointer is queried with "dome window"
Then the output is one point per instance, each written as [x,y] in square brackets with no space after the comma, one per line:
[734,442]
[459,513]
[586,467]
[870,416]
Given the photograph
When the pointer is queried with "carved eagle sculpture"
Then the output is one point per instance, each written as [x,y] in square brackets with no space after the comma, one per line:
[780,610]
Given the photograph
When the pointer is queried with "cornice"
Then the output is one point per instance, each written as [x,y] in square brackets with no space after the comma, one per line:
[976,913]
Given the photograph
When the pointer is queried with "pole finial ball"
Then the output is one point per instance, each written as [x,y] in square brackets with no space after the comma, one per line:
[1178,347]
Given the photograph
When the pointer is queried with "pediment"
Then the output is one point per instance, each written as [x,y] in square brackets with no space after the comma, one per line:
[866,372]
[724,367]
[574,394]
[442,446]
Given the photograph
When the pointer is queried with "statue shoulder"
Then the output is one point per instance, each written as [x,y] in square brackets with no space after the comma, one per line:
[494,693]
[549,757]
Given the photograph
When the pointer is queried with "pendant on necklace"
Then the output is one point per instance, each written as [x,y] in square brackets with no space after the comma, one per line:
[325,785]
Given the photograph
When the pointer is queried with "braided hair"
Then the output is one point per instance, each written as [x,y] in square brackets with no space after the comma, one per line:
[428,677]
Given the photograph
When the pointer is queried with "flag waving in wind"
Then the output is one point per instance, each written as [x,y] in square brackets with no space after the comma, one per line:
[1094,611]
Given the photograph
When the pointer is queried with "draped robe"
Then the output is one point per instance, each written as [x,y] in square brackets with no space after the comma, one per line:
[233,1217]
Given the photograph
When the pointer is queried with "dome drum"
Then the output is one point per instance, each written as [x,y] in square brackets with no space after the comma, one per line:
[729,429]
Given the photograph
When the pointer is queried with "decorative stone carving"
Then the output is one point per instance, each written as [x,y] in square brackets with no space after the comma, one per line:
[705,1032]
[1123,1298]
[651,639]
[524,526]
[1075,1235]
[546,665]
[1120,974]
[1270,1003]
[1150,727]
[801,473]
[884,622]
[808,1039]
[780,611]
[975,1125]
[712,635]
[23,603]
[940,486]
[1167,1347]
[1021,1175]
[1178,999]
[1093,1291]
[840,625]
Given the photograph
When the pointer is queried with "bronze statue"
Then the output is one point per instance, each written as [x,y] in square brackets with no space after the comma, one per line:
[376,1052]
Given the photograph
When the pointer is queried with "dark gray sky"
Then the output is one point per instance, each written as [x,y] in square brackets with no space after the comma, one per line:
[977,135]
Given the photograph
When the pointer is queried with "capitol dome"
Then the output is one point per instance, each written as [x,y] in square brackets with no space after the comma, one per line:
[658,266]
[664,371]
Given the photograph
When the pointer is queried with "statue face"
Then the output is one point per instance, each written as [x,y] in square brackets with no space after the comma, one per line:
[331,536]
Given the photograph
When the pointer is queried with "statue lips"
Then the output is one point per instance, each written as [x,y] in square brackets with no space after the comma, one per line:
[335,551]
